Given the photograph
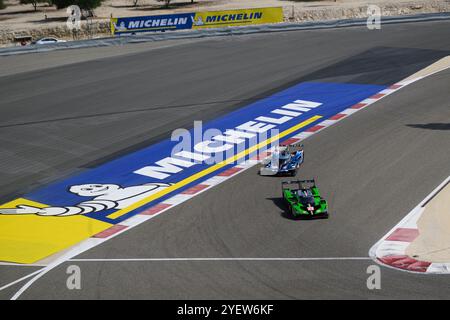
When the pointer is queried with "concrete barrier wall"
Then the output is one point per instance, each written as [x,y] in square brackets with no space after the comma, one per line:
[160,36]
[292,13]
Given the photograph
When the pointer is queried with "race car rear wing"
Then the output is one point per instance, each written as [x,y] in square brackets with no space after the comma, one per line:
[293,147]
[302,184]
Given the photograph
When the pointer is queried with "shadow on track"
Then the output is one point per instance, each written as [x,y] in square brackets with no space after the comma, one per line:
[279,202]
[431,126]
[126,112]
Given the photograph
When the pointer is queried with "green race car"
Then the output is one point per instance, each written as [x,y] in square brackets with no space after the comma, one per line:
[303,200]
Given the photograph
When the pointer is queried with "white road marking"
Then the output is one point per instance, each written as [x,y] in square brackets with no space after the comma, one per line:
[21,265]
[20,280]
[221,259]
[183,259]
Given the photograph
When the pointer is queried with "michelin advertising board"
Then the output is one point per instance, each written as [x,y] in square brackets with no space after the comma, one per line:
[151,23]
[241,17]
[199,20]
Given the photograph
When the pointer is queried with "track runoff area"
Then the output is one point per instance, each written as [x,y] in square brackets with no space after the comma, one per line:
[57,222]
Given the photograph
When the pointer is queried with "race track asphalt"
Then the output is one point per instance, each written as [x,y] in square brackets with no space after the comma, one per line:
[373,167]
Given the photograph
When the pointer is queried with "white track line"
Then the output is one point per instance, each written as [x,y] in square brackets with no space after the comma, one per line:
[20,280]
[220,259]
[21,265]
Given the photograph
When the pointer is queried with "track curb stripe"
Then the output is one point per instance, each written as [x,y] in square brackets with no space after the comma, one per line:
[315,128]
[196,189]
[337,117]
[378,96]
[359,106]
[403,234]
[229,172]
[155,209]
[390,250]
[111,231]
[290,141]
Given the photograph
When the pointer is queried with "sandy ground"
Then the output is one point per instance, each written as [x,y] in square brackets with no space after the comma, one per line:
[433,242]
[22,20]
[23,17]
[435,67]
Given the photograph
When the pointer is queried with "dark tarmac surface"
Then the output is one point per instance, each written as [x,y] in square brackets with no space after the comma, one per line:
[373,167]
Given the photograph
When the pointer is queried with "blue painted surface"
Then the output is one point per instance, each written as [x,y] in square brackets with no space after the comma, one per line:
[154,23]
[334,98]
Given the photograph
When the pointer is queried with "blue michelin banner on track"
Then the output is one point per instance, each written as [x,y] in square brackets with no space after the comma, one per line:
[118,189]
[152,23]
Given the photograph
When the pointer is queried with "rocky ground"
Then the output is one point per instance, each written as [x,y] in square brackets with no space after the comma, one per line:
[19,19]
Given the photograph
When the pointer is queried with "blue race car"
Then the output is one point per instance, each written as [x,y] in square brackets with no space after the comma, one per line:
[285,161]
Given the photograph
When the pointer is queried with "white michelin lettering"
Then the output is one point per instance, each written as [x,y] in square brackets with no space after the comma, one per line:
[256,127]
[233,136]
[206,147]
[308,104]
[295,107]
[192,156]
[234,140]
[301,105]
[274,120]
[163,167]
[240,134]
[133,24]
[286,112]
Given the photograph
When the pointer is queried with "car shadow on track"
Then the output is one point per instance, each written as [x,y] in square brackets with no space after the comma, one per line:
[431,126]
[281,204]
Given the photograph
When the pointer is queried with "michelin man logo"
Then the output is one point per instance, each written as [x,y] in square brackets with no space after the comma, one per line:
[120,27]
[105,196]
[199,21]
